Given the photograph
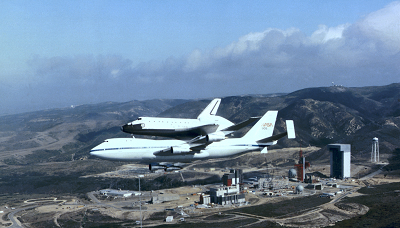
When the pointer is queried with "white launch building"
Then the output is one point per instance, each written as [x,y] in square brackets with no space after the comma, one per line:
[340,155]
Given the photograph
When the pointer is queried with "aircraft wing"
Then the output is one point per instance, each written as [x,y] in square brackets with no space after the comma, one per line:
[174,150]
[205,136]
[200,146]
[165,152]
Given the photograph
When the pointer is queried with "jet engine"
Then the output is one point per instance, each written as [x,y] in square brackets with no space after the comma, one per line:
[172,168]
[180,150]
[215,137]
[165,166]
[155,166]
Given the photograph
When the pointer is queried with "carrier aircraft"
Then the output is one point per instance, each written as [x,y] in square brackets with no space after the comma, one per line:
[207,123]
[166,154]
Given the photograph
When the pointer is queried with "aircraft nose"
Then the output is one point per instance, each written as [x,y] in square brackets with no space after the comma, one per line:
[94,153]
[99,154]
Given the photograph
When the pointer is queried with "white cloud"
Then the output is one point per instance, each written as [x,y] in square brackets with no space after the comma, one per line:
[324,34]
[359,54]
[383,26]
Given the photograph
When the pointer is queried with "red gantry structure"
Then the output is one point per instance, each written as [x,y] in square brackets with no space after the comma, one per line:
[301,167]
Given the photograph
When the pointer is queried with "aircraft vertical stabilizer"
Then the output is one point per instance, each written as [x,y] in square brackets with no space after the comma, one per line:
[264,128]
[211,109]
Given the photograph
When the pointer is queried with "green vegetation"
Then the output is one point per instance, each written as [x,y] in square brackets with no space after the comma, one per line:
[60,178]
[284,207]
[384,207]
[394,161]
[91,218]
[231,223]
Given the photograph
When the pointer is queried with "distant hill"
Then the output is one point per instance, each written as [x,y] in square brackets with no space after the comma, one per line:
[321,115]
[69,133]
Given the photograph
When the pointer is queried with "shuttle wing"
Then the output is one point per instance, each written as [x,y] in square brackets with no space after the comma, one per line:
[202,141]
[240,125]
[200,130]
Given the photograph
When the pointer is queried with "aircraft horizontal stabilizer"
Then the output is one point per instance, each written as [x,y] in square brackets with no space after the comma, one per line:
[272,138]
[289,132]
[290,129]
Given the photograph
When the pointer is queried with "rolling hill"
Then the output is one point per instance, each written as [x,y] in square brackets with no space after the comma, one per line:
[322,115]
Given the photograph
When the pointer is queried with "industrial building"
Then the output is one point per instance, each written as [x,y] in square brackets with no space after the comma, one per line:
[205,199]
[169,219]
[160,198]
[340,156]
[234,177]
[118,193]
[226,195]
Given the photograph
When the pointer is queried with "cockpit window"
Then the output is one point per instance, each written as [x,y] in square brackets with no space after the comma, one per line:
[140,118]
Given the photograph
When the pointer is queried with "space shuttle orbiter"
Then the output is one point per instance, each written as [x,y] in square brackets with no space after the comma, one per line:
[206,124]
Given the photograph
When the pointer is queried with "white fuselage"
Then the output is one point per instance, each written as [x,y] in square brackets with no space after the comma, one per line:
[132,149]
[161,123]
[175,127]
[207,122]
[148,150]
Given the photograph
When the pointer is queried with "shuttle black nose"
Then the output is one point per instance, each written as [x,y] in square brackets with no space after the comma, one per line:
[125,128]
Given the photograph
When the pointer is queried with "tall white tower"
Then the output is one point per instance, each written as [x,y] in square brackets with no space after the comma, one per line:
[375,150]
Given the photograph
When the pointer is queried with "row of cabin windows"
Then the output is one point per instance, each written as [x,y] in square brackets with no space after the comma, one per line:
[168,122]
[163,121]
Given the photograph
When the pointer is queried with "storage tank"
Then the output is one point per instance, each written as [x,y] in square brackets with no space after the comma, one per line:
[299,189]
[292,173]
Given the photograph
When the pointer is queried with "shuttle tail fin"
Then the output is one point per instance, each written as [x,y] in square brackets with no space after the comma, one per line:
[211,109]
[264,128]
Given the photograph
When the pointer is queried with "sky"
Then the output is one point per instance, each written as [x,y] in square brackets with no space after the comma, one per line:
[56,54]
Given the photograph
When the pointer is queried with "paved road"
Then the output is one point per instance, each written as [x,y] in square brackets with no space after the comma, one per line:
[15,222]
[374,173]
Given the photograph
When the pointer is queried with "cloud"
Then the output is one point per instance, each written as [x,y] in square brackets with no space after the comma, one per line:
[360,54]
[382,26]
[79,70]
[325,34]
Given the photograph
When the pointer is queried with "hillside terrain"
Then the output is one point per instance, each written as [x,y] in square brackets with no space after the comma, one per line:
[67,134]
[321,115]
[46,153]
